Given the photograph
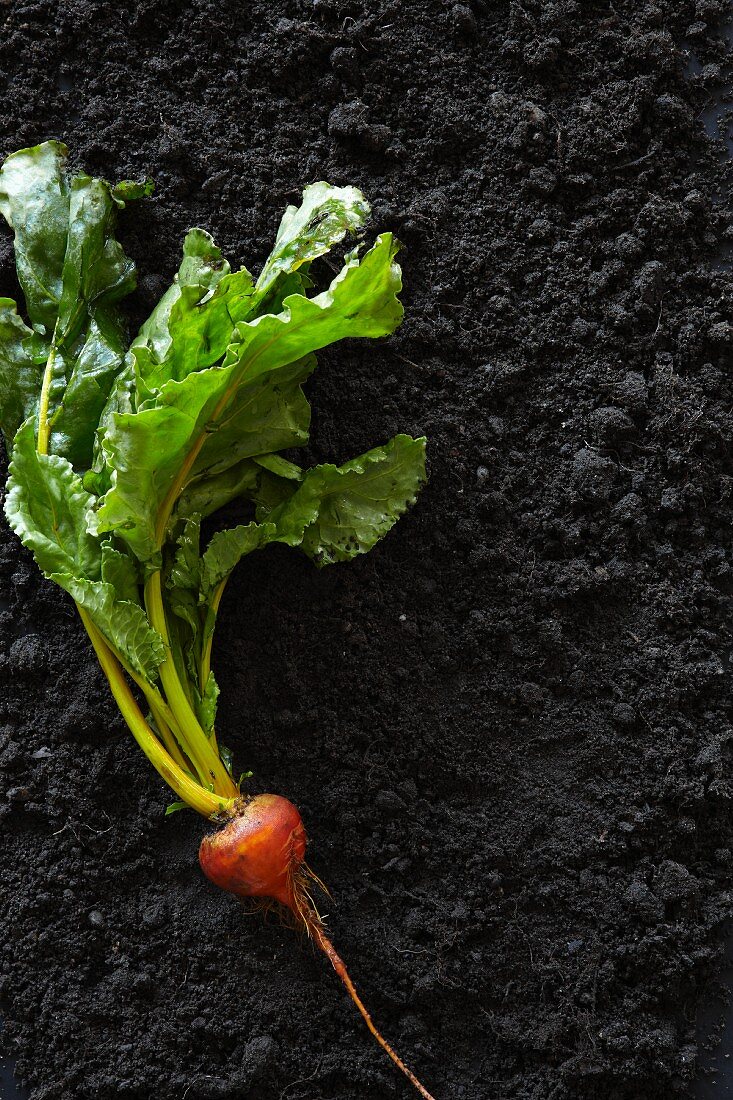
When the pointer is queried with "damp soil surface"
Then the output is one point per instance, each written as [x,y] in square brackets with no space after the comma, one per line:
[507,728]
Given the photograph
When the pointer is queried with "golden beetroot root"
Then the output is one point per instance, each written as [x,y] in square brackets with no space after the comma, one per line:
[254,854]
[260,853]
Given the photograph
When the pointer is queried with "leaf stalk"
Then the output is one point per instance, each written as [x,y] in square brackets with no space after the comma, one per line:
[197,744]
[205,802]
[44,428]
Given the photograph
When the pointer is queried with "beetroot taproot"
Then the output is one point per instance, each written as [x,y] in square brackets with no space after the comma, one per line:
[260,853]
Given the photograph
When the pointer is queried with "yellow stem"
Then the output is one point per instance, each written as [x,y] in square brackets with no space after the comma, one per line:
[205,669]
[162,713]
[191,792]
[197,744]
[205,665]
[169,739]
[176,489]
[44,428]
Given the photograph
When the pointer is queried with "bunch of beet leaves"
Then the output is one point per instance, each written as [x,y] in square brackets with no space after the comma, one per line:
[118,453]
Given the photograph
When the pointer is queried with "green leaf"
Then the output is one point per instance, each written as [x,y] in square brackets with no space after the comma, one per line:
[120,570]
[96,272]
[147,449]
[67,258]
[280,466]
[341,511]
[226,549]
[199,330]
[269,414]
[211,491]
[123,623]
[34,200]
[251,479]
[361,301]
[174,807]
[324,217]
[130,190]
[48,507]
[96,275]
[184,580]
[20,376]
[191,326]
[144,450]
[207,712]
[84,397]
[120,400]
[73,273]
[186,571]
[227,757]
[336,513]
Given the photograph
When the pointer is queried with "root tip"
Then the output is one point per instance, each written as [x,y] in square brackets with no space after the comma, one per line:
[319,935]
[304,908]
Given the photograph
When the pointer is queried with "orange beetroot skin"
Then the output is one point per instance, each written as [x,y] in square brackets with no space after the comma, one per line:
[256,854]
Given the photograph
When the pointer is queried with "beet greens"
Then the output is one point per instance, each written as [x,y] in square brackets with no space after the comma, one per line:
[118,453]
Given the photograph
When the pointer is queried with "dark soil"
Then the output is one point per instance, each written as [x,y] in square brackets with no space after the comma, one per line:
[507,727]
